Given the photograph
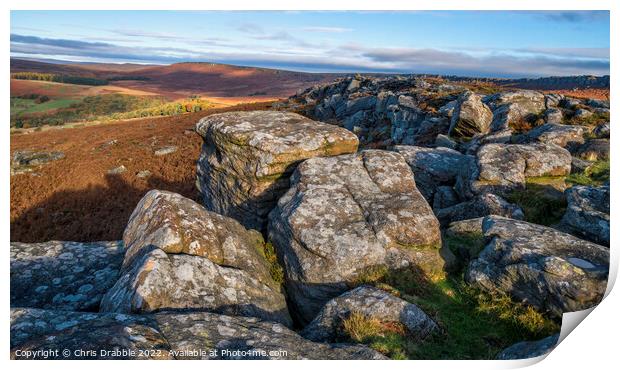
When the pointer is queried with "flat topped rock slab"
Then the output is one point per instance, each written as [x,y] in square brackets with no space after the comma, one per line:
[63,275]
[345,214]
[500,168]
[198,335]
[183,257]
[247,158]
[553,271]
[372,303]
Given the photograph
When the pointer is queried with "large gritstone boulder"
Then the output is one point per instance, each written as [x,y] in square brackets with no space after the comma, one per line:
[587,214]
[552,271]
[513,107]
[432,167]
[197,336]
[523,350]
[247,158]
[500,168]
[372,303]
[470,117]
[63,275]
[183,257]
[344,215]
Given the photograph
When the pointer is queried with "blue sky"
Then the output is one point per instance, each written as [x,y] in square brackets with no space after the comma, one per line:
[470,43]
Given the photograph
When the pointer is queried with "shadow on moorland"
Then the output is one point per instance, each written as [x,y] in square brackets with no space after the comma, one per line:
[95,213]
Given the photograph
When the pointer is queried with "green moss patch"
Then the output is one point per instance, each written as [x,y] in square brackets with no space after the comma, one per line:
[475,324]
[595,175]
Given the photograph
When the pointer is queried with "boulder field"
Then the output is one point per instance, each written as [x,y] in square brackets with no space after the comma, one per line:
[274,261]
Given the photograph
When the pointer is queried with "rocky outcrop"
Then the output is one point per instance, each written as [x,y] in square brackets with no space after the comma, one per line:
[587,213]
[183,257]
[479,206]
[432,167]
[198,335]
[512,108]
[500,168]
[602,130]
[523,350]
[247,158]
[29,160]
[470,117]
[63,275]
[552,271]
[344,215]
[372,303]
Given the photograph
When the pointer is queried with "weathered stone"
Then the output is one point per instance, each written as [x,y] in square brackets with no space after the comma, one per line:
[566,136]
[500,168]
[582,113]
[587,213]
[602,130]
[552,271]
[553,100]
[579,165]
[597,103]
[247,158]
[448,109]
[372,303]
[63,275]
[594,150]
[470,117]
[346,214]
[523,350]
[198,335]
[100,335]
[27,160]
[510,115]
[554,115]
[165,150]
[480,205]
[117,170]
[445,141]
[444,197]
[181,256]
[526,100]
[432,167]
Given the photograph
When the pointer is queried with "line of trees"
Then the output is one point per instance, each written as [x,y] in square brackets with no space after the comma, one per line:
[110,107]
[52,77]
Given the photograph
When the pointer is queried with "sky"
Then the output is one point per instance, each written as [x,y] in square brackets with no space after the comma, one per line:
[465,43]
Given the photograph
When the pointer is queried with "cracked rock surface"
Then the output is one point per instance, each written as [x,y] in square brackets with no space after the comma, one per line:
[346,214]
[553,271]
[371,302]
[181,256]
[247,159]
[63,275]
[198,335]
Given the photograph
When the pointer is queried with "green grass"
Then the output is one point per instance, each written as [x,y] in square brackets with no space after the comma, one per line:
[465,246]
[595,175]
[24,106]
[541,201]
[474,324]
[591,120]
[275,270]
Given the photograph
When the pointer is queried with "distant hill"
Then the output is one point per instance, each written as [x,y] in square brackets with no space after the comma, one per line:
[184,79]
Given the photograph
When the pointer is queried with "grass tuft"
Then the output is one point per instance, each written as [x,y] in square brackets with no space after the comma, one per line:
[475,324]
[595,175]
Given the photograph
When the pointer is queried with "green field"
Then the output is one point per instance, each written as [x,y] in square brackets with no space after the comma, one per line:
[23,106]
